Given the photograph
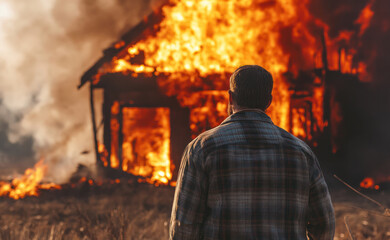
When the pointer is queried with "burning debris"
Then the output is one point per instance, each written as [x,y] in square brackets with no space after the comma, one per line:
[29,184]
[368,183]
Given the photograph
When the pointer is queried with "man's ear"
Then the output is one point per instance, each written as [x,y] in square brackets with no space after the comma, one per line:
[230,97]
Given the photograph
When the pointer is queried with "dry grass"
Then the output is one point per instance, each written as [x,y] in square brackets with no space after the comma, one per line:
[364,219]
[142,211]
[129,212]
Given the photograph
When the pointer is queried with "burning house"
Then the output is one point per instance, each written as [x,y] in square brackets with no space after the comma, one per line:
[166,80]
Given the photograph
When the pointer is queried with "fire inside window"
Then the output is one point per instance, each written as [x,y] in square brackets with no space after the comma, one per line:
[144,135]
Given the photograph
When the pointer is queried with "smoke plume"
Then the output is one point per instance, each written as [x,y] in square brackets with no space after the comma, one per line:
[45,46]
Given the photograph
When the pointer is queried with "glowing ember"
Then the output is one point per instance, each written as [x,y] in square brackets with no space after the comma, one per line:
[103,154]
[28,184]
[367,183]
[374,183]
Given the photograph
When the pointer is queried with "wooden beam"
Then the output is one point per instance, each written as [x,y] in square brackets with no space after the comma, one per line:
[94,128]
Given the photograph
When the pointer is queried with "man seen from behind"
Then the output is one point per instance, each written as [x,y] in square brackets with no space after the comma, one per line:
[248,178]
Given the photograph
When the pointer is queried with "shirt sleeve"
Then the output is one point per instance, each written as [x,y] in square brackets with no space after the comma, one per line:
[321,219]
[189,205]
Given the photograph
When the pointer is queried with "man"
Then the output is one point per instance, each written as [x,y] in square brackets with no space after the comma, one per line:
[249,179]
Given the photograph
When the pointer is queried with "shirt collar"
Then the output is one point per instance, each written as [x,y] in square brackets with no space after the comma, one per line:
[248,115]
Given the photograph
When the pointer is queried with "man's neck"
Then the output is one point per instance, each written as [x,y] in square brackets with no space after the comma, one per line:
[236,110]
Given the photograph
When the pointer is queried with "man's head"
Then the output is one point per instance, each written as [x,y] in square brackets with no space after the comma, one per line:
[250,87]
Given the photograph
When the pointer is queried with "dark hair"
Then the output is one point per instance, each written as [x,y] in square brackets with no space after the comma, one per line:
[251,86]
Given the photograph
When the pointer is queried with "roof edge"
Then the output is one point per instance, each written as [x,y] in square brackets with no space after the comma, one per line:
[132,36]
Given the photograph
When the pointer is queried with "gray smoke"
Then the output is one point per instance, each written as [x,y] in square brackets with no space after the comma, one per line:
[45,46]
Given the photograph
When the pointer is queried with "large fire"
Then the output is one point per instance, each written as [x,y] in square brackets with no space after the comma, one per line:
[28,184]
[199,43]
[194,41]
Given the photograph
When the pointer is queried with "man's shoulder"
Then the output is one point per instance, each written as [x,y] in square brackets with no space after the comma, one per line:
[293,141]
[231,133]
[205,138]
[211,139]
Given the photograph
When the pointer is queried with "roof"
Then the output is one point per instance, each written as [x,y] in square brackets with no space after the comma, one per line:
[140,31]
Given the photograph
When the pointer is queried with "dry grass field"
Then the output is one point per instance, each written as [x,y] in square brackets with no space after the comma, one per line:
[121,211]
[142,211]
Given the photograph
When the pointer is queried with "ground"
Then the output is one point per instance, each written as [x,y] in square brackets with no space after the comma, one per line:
[142,211]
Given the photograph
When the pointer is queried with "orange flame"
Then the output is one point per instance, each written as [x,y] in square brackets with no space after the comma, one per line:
[145,149]
[195,40]
[103,154]
[146,143]
[365,18]
[318,108]
[114,161]
[299,120]
[208,109]
[194,49]
[28,184]
[188,43]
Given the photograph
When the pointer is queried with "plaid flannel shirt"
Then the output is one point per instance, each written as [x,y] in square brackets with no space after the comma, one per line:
[249,179]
